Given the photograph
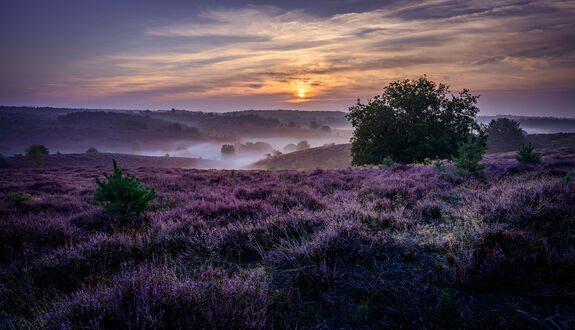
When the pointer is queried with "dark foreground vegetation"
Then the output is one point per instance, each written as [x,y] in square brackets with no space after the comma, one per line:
[409,246]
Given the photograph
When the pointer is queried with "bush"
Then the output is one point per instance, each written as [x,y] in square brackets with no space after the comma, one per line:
[386,162]
[527,155]
[438,165]
[92,149]
[412,120]
[470,154]
[123,194]
[35,154]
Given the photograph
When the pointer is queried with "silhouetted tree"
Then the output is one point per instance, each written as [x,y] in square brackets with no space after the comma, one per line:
[290,147]
[228,150]
[35,154]
[3,162]
[92,149]
[504,135]
[302,145]
[411,121]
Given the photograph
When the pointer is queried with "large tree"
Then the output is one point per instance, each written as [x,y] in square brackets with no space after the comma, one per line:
[411,121]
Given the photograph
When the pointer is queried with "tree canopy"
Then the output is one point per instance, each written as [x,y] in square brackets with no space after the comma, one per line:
[504,134]
[35,154]
[411,121]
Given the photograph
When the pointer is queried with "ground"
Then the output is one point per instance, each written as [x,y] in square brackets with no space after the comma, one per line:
[402,246]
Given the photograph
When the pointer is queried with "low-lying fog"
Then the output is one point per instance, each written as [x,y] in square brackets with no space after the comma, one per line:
[241,158]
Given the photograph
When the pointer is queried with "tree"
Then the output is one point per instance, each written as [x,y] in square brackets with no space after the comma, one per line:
[504,134]
[302,145]
[122,194]
[469,154]
[228,150]
[35,154]
[290,147]
[92,150]
[527,155]
[411,121]
[3,162]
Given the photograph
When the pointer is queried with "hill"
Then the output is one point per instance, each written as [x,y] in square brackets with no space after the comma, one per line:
[336,156]
[105,159]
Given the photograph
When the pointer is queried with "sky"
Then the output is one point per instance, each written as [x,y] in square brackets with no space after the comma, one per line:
[230,55]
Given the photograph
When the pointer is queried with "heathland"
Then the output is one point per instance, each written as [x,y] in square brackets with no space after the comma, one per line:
[404,245]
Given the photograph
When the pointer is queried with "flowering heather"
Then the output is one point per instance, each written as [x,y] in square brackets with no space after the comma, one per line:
[401,246]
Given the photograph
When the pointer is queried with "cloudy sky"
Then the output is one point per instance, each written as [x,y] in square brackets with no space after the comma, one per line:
[234,55]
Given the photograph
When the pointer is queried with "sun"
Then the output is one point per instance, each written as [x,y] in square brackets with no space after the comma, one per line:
[301,92]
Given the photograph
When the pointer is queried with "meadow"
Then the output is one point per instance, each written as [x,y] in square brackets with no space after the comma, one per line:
[402,246]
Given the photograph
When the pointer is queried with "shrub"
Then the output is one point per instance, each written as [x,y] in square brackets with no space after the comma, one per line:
[18,198]
[92,149]
[152,298]
[35,154]
[470,154]
[386,162]
[123,194]
[438,165]
[527,155]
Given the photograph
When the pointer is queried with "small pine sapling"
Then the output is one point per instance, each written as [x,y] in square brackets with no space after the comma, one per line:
[527,155]
[469,156]
[438,165]
[123,194]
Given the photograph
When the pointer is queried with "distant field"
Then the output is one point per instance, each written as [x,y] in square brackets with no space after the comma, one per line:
[105,159]
[405,246]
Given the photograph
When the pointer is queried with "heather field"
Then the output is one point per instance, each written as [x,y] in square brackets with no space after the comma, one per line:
[402,246]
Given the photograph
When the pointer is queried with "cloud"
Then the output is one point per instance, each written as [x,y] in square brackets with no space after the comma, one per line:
[271,53]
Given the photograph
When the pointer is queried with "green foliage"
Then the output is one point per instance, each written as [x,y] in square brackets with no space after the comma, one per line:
[470,154]
[18,198]
[568,177]
[412,120]
[386,162]
[123,194]
[438,165]
[504,135]
[228,150]
[527,155]
[92,149]
[232,174]
[35,154]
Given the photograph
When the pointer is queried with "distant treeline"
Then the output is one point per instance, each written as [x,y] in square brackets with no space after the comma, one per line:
[537,124]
